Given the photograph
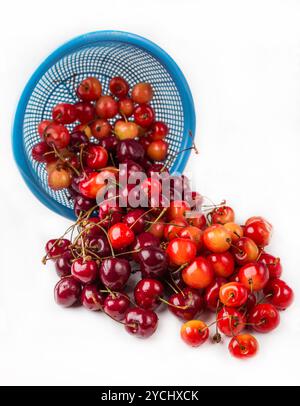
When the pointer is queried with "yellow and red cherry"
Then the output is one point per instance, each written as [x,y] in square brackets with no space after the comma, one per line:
[177,209]
[199,274]
[236,231]
[158,150]
[173,228]
[243,346]
[126,107]
[254,276]
[101,128]
[192,233]
[245,250]
[194,332]
[222,215]
[126,130]
[181,251]
[233,294]
[217,238]
[222,263]
[142,93]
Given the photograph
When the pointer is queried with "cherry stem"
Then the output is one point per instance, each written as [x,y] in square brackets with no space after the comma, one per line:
[172,305]
[158,217]
[180,268]
[141,216]
[65,161]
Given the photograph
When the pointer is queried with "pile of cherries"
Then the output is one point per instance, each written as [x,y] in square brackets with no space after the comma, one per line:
[180,253]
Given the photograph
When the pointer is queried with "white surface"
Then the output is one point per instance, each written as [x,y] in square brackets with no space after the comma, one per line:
[242,61]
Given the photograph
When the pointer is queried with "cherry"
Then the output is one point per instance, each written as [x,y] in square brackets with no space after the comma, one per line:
[94,182]
[177,209]
[110,213]
[194,332]
[143,115]
[259,230]
[147,293]
[199,274]
[222,263]
[106,107]
[114,273]
[63,264]
[136,220]
[120,235]
[109,143]
[92,228]
[101,128]
[82,204]
[173,229]
[92,298]
[192,233]
[245,250]
[57,135]
[55,248]
[126,107]
[158,150]
[64,113]
[89,89]
[78,140]
[264,317]
[125,130]
[222,215]
[216,238]
[42,127]
[159,131]
[233,294]
[211,294]
[230,321]
[116,305]
[157,168]
[279,294]
[243,346]
[254,275]
[251,302]
[144,240]
[84,270]
[96,157]
[42,152]
[99,245]
[273,264]
[85,128]
[119,87]
[236,231]
[151,187]
[197,220]
[157,229]
[67,291]
[186,304]
[142,93]
[130,170]
[129,149]
[153,262]
[145,142]
[140,322]
[85,112]
[181,251]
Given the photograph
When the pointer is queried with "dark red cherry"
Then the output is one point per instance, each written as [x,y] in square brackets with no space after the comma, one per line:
[84,270]
[100,246]
[92,298]
[89,89]
[109,213]
[144,240]
[55,248]
[148,292]
[130,149]
[85,112]
[130,170]
[116,305]
[109,143]
[82,204]
[211,294]
[136,220]
[114,273]
[153,262]
[140,322]
[63,264]
[67,291]
[119,87]
[186,304]
[159,131]
[144,115]
[78,140]
[42,152]
[64,113]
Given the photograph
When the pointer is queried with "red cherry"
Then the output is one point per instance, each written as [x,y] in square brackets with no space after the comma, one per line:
[106,107]
[89,89]
[85,112]
[245,250]
[233,294]
[57,135]
[181,251]
[273,264]
[173,229]
[230,321]
[194,332]
[254,275]
[140,322]
[243,346]
[159,131]
[120,235]
[197,220]
[96,157]
[143,115]
[186,304]
[101,128]
[157,229]
[67,291]
[222,215]
[216,238]
[192,233]
[40,152]
[42,127]
[222,263]
[211,294]
[92,298]
[114,273]
[178,209]
[158,150]
[126,107]
[264,317]
[116,305]
[55,248]
[236,231]
[259,230]
[119,87]
[281,295]
[94,182]
[147,293]
[85,271]
[142,93]
[64,113]
[199,274]
[136,220]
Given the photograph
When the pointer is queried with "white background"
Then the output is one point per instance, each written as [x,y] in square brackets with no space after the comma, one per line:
[242,61]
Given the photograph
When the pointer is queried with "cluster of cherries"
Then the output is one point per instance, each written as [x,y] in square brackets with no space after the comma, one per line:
[95,132]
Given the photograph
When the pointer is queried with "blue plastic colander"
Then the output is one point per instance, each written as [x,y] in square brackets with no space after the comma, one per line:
[103,54]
